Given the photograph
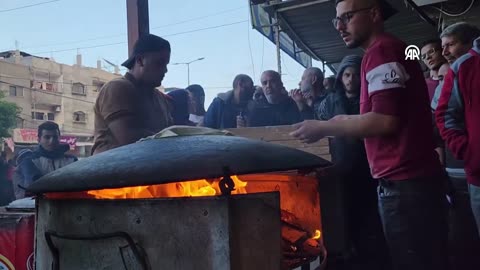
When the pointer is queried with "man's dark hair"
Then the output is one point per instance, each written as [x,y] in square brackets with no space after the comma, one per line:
[386,9]
[435,41]
[241,78]
[196,90]
[49,125]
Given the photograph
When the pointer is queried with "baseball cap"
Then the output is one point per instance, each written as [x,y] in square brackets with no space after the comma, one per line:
[146,43]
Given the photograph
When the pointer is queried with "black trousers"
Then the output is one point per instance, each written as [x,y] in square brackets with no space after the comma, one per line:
[414,218]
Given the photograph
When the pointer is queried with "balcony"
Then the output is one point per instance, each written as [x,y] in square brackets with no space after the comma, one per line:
[46,98]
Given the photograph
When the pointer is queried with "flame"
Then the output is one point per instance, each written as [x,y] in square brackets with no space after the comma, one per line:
[194,188]
[317,235]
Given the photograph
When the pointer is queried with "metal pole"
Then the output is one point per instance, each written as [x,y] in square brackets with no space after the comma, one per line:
[188,73]
[277,39]
[137,21]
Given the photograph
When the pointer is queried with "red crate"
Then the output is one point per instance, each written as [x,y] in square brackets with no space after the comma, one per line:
[16,240]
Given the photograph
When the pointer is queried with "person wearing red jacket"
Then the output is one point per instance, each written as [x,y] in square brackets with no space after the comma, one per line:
[457,118]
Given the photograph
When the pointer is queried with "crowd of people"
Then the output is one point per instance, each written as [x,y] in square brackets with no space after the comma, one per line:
[401,139]
[413,164]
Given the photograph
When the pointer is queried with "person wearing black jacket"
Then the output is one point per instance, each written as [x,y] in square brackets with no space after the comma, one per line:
[276,108]
[351,167]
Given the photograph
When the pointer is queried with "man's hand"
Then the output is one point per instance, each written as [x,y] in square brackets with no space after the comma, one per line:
[308,131]
[241,123]
[297,96]
[299,99]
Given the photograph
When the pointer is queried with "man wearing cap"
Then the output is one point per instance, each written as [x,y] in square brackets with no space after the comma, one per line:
[130,108]
[395,120]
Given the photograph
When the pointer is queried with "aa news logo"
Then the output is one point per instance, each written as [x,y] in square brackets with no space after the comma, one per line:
[412,52]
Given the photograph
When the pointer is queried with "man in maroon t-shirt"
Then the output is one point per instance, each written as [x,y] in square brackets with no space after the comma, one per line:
[395,121]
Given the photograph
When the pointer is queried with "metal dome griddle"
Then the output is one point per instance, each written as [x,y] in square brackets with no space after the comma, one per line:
[175,159]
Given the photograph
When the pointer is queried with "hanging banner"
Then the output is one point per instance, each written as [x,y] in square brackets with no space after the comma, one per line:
[23,135]
[30,136]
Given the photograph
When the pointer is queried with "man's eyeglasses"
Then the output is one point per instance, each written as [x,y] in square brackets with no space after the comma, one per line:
[429,53]
[347,16]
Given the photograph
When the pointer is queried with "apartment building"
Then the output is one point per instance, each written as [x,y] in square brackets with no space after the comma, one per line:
[49,91]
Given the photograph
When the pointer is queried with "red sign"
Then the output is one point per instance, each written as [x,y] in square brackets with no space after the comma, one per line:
[23,135]
[70,140]
[16,241]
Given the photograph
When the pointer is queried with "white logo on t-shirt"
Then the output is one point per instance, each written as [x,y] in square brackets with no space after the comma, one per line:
[387,76]
[412,52]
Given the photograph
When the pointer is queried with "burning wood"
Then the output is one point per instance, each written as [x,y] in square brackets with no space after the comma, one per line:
[299,246]
[293,236]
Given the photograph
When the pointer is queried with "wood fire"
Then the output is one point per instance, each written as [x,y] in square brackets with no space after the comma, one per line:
[301,243]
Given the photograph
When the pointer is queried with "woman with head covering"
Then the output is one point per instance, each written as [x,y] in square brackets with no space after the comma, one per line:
[197,95]
[351,165]
[182,107]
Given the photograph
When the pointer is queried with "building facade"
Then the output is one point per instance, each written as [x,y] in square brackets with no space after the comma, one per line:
[49,91]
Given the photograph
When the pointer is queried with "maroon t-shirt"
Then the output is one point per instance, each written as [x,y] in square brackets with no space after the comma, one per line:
[394,86]
[431,85]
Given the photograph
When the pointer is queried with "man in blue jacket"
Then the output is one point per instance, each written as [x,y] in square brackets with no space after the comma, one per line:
[48,157]
[225,108]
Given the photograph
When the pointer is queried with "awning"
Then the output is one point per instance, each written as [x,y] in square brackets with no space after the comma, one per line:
[309,24]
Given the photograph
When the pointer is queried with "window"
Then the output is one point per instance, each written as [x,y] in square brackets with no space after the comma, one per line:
[13,91]
[38,116]
[79,117]
[49,87]
[16,91]
[79,89]
[20,122]
[43,86]
[97,85]
[51,117]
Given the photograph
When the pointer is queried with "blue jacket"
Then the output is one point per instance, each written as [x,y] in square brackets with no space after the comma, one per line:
[222,112]
[42,162]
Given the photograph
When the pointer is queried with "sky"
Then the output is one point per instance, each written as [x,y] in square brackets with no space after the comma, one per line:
[97,30]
